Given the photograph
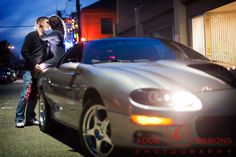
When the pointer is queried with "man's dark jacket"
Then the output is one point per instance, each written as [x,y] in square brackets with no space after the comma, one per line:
[33,50]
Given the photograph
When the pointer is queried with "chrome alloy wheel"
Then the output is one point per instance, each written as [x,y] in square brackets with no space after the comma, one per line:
[97,131]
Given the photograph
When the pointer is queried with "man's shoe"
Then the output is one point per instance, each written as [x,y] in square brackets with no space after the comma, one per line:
[32,122]
[20,124]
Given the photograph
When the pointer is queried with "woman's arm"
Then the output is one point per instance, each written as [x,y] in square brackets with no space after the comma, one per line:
[56,56]
[54,35]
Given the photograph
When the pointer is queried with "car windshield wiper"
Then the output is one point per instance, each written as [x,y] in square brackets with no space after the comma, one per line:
[144,60]
[119,60]
[109,61]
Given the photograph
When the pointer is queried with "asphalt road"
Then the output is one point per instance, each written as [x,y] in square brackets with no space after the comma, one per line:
[30,141]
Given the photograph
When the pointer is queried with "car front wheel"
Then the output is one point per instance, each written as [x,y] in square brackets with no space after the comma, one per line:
[45,120]
[95,130]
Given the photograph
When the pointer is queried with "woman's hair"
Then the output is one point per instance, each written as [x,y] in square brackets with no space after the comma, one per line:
[57,23]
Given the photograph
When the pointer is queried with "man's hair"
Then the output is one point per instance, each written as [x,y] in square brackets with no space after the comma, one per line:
[41,19]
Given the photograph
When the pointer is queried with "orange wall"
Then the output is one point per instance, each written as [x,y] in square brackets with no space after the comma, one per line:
[91,23]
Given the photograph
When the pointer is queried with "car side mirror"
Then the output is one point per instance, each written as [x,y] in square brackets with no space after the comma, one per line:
[68,67]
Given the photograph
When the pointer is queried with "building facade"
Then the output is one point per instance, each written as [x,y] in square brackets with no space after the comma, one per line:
[98,20]
[207,26]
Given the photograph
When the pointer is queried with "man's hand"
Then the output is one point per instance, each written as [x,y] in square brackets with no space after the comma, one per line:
[38,68]
[39,29]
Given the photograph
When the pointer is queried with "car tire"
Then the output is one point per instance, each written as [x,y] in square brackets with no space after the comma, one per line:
[11,78]
[45,120]
[95,130]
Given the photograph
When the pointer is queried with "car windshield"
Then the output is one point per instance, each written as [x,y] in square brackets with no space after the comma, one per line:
[137,50]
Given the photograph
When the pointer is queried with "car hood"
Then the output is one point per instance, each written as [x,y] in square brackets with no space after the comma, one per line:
[191,75]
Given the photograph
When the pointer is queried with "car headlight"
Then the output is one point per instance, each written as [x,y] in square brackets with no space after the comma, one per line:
[165,100]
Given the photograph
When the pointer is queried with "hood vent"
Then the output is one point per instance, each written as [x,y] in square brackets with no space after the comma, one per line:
[217,71]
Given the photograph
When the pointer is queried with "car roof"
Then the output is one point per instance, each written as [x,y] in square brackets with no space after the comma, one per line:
[5,69]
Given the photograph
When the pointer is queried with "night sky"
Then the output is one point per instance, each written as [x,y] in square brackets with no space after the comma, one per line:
[17,17]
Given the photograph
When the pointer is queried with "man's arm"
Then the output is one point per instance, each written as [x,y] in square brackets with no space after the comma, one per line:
[25,49]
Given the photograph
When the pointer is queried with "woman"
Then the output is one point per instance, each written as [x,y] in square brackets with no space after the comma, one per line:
[53,32]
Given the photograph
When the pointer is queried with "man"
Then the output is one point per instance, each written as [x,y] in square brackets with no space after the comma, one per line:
[33,51]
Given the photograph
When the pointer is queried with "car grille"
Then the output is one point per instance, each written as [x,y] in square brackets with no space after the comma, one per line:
[216,127]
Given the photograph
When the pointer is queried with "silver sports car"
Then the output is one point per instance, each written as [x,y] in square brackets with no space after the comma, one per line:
[140,93]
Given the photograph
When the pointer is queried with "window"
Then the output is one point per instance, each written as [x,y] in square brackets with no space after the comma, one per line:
[213,34]
[106,26]
[198,34]
[74,54]
[221,45]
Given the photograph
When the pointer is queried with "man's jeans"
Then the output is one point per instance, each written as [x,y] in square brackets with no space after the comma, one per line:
[28,98]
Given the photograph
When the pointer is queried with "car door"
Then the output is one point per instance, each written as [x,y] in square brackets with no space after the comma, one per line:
[63,86]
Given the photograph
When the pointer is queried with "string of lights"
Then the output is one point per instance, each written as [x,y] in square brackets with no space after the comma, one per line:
[16,26]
